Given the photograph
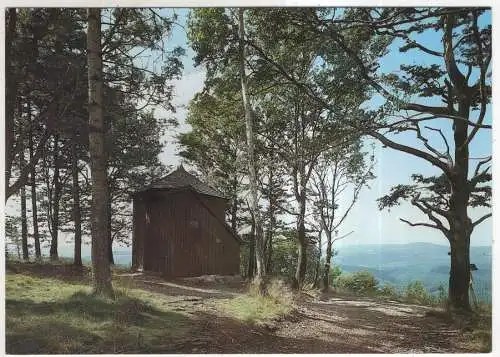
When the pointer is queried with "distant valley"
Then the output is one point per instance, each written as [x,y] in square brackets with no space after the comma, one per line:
[397,264]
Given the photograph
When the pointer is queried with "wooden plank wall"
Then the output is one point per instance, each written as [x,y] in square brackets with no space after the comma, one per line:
[184,239]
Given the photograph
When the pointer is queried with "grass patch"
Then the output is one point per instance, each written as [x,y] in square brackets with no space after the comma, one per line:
[253,309]
[50,316]
[257,309]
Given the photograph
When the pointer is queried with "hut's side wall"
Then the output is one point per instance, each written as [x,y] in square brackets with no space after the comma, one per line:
[138,233]
[184,238]
[217,205]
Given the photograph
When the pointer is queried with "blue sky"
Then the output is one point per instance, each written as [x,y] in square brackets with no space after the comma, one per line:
[393,167]
[369,225]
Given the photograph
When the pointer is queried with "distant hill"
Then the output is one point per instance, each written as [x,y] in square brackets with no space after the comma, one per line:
[399,264]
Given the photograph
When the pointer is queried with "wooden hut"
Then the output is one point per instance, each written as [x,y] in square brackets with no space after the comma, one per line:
[180,229]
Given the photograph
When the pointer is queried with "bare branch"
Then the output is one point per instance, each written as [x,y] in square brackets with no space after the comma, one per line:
[422,224]
[480,220]
[411,150]
[342,237]
[448,155]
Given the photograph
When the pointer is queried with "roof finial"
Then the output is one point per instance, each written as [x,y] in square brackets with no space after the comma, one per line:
[181,167]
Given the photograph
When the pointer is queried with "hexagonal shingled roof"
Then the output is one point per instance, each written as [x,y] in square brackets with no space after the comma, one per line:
[179,179]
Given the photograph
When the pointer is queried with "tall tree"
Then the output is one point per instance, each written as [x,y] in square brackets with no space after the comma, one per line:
[34,208]
[55,202]
[340,173]
[252,174]
[458,75]
[252,177]
[24,220]
[77,216]
[465,44]
[101,273]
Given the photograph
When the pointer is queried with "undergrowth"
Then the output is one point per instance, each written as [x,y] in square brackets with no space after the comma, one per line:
[50,316]
[256,308]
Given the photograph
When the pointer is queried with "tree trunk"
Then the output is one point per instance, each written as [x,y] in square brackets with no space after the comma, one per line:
[34,208]
[460,225]
[101,273]
[459,273]
[328,260]
[77,214]
[110,233]
[251,254]
[55,203]
[300,272]
[10,92]
[272,223]
[318,263]
[24,221]
[252,174]
[269,262]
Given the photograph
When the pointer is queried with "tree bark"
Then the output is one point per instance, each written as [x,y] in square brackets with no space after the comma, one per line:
[272,223]
[10,92]
[460,223]
[24,221]
[318,262]
[34,208]
[109,232]
[101,273]
[251,254]
[234,206]
[77,214]
[55,203]
[252,177]
[328,260]
[300,272]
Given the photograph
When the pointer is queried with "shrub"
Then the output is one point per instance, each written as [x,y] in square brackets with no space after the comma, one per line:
[389,290]
[417,293]
[360,282]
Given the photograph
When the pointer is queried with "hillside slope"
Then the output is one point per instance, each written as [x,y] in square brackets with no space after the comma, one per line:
[400,264]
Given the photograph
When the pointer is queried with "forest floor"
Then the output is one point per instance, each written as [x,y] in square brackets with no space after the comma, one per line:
[49,310]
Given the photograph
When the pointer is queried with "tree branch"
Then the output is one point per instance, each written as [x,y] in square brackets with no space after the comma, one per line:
[411,150]
[480,220]
[422,224]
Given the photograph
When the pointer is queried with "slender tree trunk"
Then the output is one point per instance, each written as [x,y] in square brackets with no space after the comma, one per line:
[328,261]
[272,223]
[24,220]
[34,208]
[101,273]
[300,272]
[251,254]
[318,262]
[55,203]
[234,206]
[10,92]
[269,262]
[77,214]
[252,177]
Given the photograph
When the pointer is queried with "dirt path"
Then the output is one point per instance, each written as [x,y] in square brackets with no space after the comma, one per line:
[338,325]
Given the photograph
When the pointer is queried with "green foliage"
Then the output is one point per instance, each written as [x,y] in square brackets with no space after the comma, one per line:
[389,290]
[285,255]
[335,272]
[416,292]
[359,282]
